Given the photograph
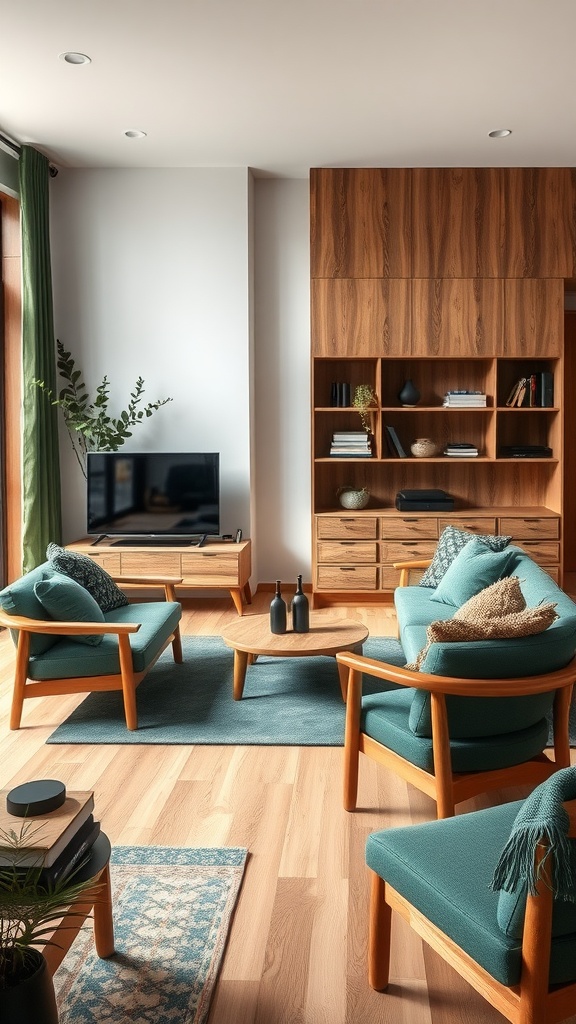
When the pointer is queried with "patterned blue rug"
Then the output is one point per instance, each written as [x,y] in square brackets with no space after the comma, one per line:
[172,913]
[286,702]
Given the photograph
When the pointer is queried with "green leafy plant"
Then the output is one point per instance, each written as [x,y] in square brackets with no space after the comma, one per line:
[364,398]
[30,907]
[87,419]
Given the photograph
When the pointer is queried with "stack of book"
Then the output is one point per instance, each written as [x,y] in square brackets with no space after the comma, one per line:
[461,450]
[55,842]
[535,391]
[464,400]
[351,444]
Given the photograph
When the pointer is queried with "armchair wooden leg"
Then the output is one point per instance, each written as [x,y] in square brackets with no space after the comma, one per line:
[177,646]
[20,677]
[442,759]
[379,935]
[128,682]
[561,719]
[352,740]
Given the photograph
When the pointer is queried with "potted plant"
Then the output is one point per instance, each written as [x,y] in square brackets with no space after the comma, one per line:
[30,908]
[87,419]
[364,399]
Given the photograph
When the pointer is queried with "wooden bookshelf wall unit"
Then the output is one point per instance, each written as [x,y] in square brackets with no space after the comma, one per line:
[454,279]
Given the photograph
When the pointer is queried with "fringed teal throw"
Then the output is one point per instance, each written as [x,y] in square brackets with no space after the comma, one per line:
[541,816]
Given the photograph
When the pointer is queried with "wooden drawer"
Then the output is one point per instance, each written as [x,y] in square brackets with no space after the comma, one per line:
[475,524]
[545,553]
[530,527]
[139,563]
[345,551]
[409,527]
[347,577]
[352,527]
[390,577]
[109,560]
[210,567]
[395,551]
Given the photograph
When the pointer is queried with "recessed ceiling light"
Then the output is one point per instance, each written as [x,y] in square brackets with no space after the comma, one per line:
[500,133]
[75,58]
[134,133]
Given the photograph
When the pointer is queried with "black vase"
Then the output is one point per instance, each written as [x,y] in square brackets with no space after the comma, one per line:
[409,395]
[300,610]
[278,612]
[31,1001]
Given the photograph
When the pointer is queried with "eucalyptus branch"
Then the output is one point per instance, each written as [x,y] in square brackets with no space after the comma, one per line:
[88,422]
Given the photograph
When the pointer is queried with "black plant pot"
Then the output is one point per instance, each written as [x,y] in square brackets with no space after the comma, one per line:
[32,1000]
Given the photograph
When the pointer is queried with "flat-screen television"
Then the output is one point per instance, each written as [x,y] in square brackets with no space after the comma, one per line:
[154,494]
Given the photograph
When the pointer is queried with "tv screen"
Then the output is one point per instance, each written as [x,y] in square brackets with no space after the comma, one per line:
[154,494]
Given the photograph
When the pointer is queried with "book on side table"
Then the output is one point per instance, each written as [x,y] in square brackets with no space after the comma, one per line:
[54,841]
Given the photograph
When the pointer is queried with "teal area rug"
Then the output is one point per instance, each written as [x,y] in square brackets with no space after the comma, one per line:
[287,701]
[172,913]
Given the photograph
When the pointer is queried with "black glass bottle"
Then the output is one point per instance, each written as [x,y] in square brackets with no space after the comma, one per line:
[300,610]
[278,612]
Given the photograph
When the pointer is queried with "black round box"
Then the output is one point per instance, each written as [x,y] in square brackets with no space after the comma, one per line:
[38,797]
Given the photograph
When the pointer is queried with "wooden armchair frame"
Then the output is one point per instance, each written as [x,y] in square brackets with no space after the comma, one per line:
[443,785]
[531,1001]
[126,680]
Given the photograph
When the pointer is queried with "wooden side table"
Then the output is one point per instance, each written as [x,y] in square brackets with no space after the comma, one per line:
[98,898]
[251,636]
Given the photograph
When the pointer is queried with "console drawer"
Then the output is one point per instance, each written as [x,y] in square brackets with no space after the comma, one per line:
[210,567]
[395,551]
[352,527]
[347,577]
[139,563]
[530,527]
[109,560]
[545,553]
[347,551]
[475,524]
[409,527]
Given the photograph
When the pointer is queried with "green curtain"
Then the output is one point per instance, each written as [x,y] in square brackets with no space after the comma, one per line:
[42,516]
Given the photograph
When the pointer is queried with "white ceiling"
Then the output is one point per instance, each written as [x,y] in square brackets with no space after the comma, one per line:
[285,85]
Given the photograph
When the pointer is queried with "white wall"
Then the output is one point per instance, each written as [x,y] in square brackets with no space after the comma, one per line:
[152,273]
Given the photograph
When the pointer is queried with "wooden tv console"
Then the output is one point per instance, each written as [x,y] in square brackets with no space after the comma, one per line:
[215,565]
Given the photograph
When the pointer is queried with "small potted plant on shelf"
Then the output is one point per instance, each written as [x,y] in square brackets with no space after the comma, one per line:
[364,399]
[30,909]
[87,420]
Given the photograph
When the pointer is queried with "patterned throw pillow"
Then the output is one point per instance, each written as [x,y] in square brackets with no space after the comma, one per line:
[88,574]
[449,545]
[498,612]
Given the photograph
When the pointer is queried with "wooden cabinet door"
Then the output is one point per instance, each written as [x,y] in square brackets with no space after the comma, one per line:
[457,317]
[457,222]
[533,318]
[360,222]
[540,228]
[361,317]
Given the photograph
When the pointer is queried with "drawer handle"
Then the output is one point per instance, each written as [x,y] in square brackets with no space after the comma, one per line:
[209,554]
[347,568]
[413,519]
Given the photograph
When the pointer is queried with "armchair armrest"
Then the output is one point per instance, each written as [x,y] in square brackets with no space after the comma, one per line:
[57,627]
[406,567]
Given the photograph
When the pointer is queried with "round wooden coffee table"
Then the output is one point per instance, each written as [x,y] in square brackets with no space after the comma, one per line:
[251,635]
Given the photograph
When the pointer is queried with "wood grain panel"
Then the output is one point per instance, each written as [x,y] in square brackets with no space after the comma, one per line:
[370,317]
[457,317]
[360,222]
[457,217]
[534,317]
[540,221]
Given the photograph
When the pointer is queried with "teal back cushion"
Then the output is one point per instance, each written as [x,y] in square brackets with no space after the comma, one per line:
[64,599]
[475,567]
[18,598]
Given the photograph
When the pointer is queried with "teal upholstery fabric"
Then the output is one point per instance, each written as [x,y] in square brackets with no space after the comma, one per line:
[85,571]
[64,599]
[475,567]
[386,717]
[67,660]
[19,599]
[444,868]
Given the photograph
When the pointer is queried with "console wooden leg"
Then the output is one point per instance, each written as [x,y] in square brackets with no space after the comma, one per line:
[240,666]
[236,596]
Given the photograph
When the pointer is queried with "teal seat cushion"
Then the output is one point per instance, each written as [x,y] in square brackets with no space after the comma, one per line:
[64,599]
[66,660]
[444,869]
[18,598]
[386,717]
[475,567]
